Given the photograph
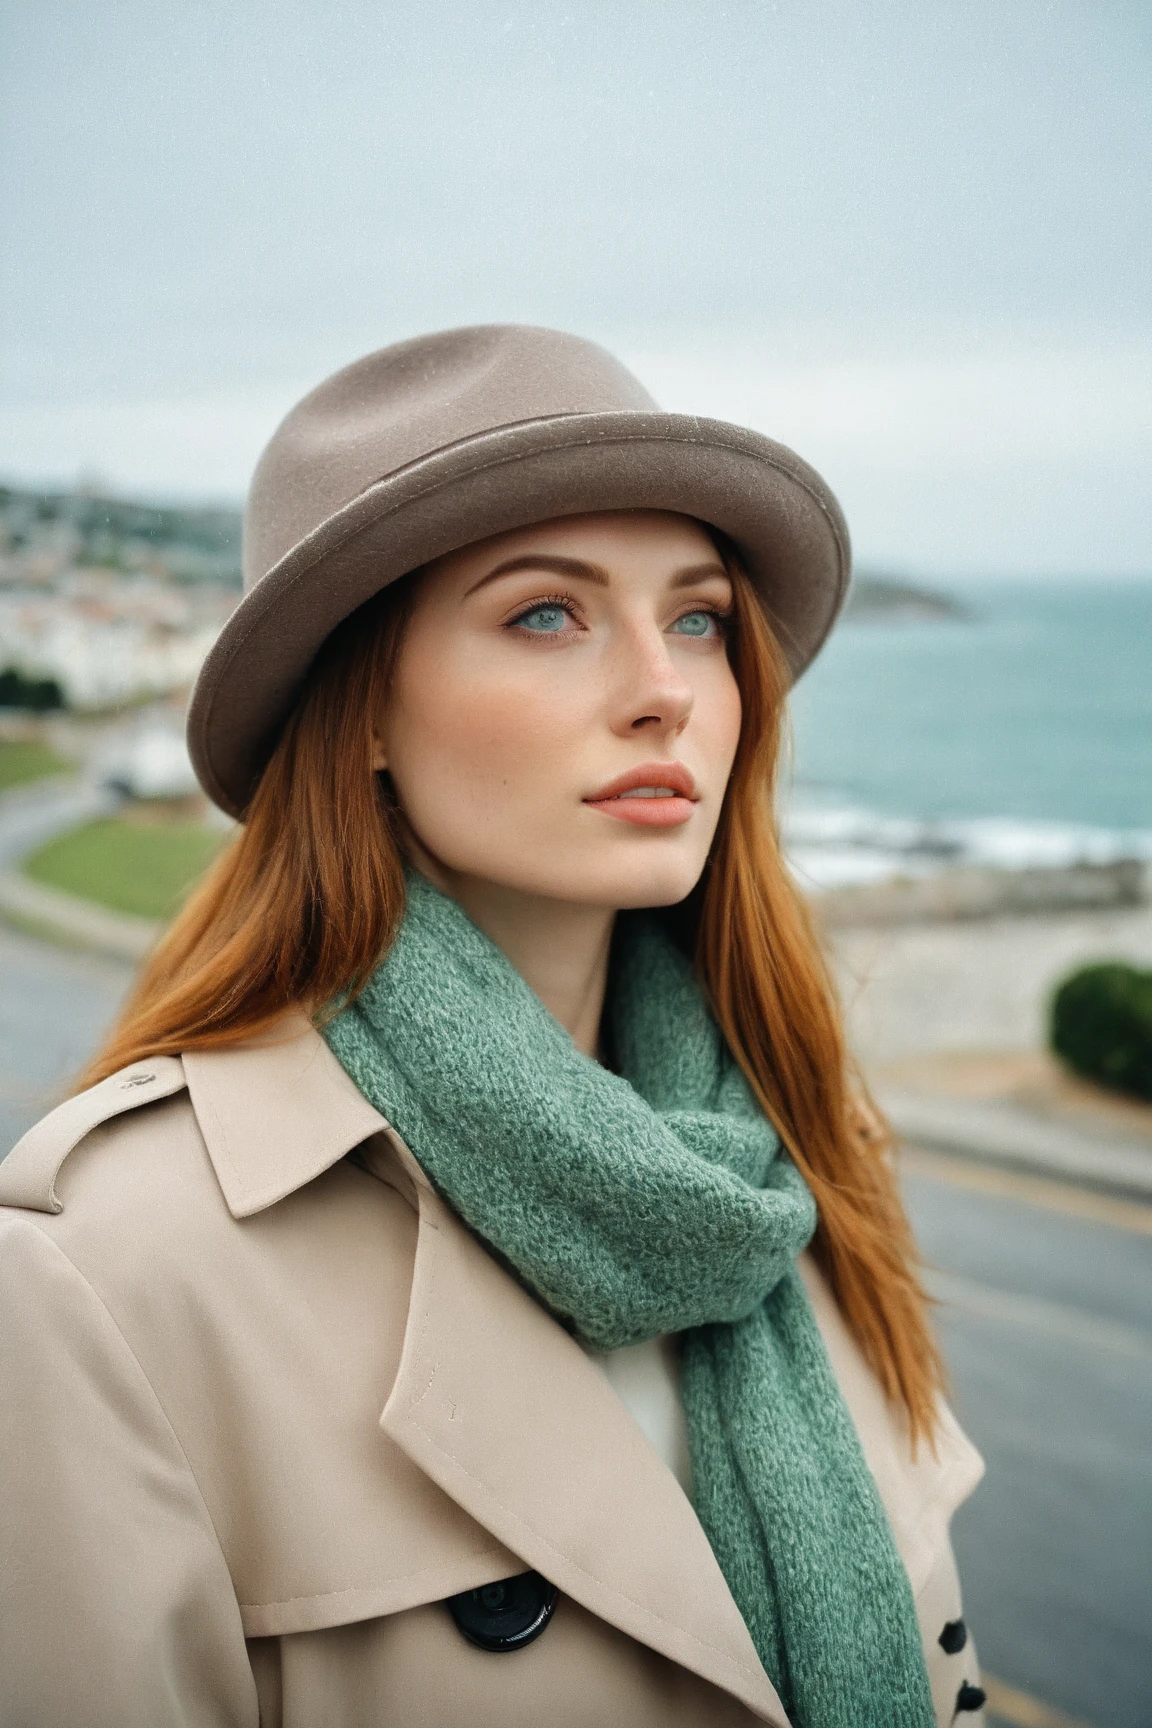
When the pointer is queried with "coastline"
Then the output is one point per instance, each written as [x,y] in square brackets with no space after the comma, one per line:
[972,892]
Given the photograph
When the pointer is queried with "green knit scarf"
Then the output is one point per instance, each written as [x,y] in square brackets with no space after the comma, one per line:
[658,1200]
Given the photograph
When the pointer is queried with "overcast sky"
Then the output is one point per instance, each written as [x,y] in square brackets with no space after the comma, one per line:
[910,237]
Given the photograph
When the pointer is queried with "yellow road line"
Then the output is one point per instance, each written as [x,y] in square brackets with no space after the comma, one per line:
[1021,1710]
[1133,1215]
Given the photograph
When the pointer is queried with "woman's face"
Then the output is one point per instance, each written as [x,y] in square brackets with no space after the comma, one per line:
[563,717]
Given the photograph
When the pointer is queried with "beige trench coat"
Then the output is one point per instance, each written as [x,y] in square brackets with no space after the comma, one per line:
[267,1405]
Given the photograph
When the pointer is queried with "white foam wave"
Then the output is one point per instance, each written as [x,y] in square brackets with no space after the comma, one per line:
[840,847]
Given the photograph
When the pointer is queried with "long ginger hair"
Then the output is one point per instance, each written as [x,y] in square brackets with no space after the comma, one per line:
[306,900]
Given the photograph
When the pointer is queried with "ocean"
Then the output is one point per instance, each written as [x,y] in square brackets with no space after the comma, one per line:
[1018,734]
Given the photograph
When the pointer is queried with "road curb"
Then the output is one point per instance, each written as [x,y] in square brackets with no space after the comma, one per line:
[1017,1139]
[77,923]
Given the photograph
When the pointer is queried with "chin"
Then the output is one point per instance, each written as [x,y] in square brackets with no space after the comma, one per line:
[662,893]
[658,875]
[640,883]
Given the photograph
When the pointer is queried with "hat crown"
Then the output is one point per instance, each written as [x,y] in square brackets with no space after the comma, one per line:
[404,402]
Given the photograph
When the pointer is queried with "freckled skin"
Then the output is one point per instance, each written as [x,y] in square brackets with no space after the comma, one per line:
[518,698]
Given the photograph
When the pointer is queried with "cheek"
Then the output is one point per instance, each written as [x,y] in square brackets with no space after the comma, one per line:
[467,741]
[717,714]
[476,737]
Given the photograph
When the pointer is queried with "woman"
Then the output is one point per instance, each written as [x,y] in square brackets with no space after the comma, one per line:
[467,1291]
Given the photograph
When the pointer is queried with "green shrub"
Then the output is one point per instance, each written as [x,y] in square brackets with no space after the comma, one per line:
[19,691]
[1101,1026]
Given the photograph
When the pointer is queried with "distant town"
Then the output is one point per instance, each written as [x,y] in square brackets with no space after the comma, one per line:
[105,602]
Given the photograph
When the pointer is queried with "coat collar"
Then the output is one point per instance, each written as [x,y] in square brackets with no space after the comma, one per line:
[499,1406]
[276,1113]
[493,1400]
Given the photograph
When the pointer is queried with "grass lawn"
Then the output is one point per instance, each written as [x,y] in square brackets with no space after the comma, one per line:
[21,761]
[134,867]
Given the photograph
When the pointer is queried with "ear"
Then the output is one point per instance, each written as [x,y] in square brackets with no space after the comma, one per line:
[379,754]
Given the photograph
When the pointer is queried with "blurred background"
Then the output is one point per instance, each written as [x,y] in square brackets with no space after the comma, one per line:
[910,240]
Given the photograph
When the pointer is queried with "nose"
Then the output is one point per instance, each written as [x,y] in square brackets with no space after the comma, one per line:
[651,694]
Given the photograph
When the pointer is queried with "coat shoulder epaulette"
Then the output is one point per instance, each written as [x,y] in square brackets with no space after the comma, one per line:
[28,1174]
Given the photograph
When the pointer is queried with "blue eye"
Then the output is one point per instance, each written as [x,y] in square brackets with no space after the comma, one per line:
[546,620]
[695,623]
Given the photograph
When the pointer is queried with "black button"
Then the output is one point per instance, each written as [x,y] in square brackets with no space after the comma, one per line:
[954,1637]
[506,1615]
[970,1697]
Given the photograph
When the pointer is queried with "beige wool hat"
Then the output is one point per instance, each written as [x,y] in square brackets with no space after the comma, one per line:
[431,444]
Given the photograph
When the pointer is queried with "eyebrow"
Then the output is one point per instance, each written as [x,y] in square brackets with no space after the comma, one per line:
[581,569]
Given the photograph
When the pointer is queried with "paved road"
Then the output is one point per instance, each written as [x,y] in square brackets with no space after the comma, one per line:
[1047,1323]
[53,1006]
[33,814]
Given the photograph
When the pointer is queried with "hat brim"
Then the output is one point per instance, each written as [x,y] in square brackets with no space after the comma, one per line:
[784,521]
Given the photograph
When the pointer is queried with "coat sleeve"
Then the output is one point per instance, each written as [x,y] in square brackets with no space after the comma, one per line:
[116,1605]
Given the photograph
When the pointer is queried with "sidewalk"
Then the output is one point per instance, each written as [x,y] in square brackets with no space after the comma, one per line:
[949,1022]
[29,817]
[32,815]
[75,923]
[1023,1110]
[1015,1138]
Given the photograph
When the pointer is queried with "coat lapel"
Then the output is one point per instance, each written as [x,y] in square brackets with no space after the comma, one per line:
[501,1408]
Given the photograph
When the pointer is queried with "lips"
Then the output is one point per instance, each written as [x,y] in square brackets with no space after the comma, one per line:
[654,795]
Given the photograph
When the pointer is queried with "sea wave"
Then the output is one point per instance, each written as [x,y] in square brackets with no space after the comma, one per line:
[834,847]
